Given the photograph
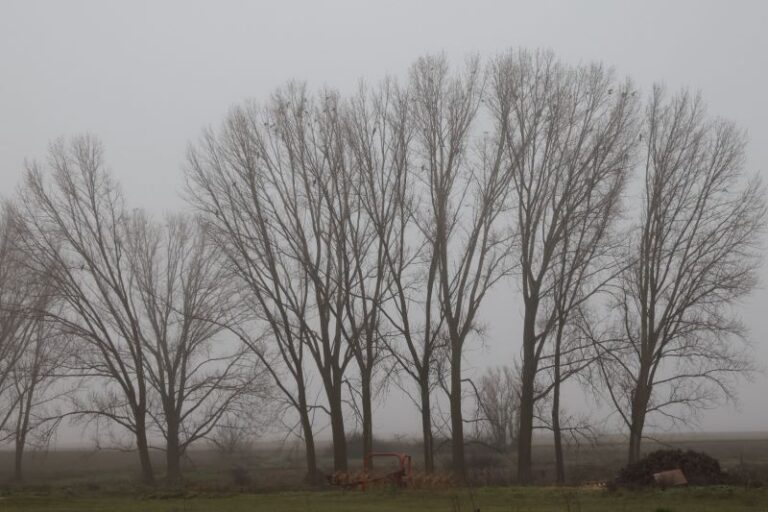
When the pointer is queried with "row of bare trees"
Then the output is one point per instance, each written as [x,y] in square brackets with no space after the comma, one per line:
[343,242]
[371,228]
[363,227]
[134,306]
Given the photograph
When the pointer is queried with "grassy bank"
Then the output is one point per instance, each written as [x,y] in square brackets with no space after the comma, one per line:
[534,499]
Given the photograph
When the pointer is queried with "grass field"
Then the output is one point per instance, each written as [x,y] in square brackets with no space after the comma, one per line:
[270,479]
[509,499]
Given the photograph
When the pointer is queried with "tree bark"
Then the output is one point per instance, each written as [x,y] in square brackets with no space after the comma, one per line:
[525,435]
[558,438]
[457,421]
[337,430]
[18,457]
[556,432]
[22,428]
[426,425]
[172,454]
[367,419]
[142,445]
[637,421]
[312,477]
[635,435]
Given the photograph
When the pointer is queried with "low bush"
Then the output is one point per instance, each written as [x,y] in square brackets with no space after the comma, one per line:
[699,469]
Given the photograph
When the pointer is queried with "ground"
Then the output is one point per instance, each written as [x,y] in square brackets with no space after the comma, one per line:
[507,499]
[269,478]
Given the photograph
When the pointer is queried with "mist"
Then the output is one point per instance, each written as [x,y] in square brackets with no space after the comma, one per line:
[148,77]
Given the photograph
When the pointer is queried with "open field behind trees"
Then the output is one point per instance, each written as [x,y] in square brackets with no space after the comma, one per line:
[272,469]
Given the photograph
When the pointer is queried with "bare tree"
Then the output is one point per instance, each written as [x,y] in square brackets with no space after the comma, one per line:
[275,186]
[227,186]
[585,266]
[377,138]
[570,356]
[38,385]
[75,231]
[28,357]
[182,294]
[235,435]
[38,381]
[566,142]
[498,402]
[691,256]
[465,191]
[15,329]
[143,302]
[414,332]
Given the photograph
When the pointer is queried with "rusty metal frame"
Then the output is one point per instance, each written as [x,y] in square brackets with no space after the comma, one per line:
[402,477]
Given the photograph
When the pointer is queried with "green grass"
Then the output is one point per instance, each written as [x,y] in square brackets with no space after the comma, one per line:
[538,499]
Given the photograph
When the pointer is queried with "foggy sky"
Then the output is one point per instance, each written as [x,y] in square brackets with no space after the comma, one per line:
[146,77]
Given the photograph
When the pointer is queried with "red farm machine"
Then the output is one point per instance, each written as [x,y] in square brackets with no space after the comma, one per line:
[400,477]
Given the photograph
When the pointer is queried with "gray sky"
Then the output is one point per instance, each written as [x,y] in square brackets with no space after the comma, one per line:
[147,76]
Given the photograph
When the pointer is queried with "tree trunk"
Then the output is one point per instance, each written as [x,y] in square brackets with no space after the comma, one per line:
[457,421]
[312,476]
[637,420]
[337,430]
[558,438]
[22,427]
[525,435]
[426,425]
[559,458]
[635,435]
[142,445]
[18,457]
[367,419]
[172,454]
